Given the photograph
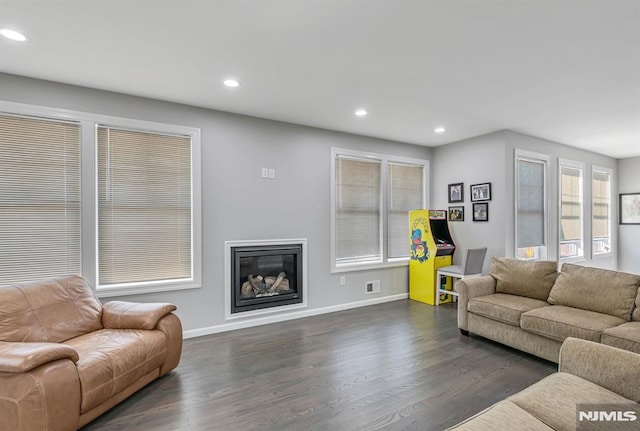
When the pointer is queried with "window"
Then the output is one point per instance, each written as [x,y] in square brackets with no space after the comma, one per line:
[406,193]
[601,211]
[144,207]
[571,244]
[357,214]
[40,220]
[531,209]
[372,195]
[134,225]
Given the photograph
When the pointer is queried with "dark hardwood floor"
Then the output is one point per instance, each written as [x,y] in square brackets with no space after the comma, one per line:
[402,365]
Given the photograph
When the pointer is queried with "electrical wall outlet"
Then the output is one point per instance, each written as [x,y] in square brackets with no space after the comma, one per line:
[265,172]
[343,280]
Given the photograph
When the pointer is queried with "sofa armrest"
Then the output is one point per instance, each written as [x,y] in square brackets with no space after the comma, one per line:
[612,368]
[134,315]
[470,288]
[20,357]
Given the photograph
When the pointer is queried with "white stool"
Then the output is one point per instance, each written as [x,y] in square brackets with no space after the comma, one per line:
[472,266]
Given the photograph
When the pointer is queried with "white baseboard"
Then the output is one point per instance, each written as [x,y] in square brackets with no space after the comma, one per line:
[192,333]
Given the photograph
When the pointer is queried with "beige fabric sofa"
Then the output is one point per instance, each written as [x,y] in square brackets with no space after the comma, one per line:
[591,377]
[531,306]
[65,358]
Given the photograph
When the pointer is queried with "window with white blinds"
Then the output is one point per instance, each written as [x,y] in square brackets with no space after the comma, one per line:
[144,207]
[372,195]
[531,209]
[406,193]
[357,210]
[601,211]
[40,210]
[571,227]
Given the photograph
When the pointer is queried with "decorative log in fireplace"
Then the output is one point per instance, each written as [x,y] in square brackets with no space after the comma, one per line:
[265,276]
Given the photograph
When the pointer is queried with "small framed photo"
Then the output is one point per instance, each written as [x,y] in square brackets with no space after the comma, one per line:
[629,208]
[481,212]
[481,192]
[456,193]
[456,213]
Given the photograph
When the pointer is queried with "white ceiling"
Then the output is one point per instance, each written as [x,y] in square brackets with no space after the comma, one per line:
[564,70]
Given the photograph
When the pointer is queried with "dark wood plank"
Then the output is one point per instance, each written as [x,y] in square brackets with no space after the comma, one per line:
[396,366]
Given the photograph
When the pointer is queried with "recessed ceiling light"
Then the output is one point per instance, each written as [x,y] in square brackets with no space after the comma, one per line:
[439,130]
[361,112]
[231,83]
[13,35]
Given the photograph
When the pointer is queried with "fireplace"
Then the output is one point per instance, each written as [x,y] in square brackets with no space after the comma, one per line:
[265,275]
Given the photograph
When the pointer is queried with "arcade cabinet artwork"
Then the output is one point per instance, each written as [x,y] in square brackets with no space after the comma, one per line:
[431,248]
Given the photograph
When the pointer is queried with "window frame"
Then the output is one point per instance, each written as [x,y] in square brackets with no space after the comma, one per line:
[609,254]
[572,164]
[528,156]
[89,123]
[384,159]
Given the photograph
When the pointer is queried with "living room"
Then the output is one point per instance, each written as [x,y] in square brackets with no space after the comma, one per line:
[236,203]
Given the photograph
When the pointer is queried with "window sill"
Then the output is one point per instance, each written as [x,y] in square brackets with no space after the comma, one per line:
[141,289]
[367,266]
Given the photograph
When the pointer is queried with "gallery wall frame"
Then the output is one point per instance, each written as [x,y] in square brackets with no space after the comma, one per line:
[629,208]
[480,192]
[481,211]
[456,192]
[456,213]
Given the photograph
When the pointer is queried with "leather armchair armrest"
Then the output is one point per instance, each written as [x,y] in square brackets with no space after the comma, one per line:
[469,288]
[134,315]
[20,357]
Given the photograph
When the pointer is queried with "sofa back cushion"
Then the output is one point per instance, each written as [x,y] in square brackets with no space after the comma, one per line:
[52,310]
[595,289]
[532,279]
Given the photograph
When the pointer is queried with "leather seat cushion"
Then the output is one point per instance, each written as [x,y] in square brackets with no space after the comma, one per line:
[559,322]
[113,359]
[504,307]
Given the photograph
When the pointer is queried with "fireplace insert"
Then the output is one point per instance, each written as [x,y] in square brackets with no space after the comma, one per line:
[265,276]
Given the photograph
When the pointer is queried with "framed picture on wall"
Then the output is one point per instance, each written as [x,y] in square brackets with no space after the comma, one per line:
[481,212]
[456,213]
[629,208]
[456,193]
[481,192]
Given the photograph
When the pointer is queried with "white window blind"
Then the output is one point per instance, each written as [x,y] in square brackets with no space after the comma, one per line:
[144,207]
[571,221]
[601,211]
[530,208]
[405,193]
[357,210]
[40,223]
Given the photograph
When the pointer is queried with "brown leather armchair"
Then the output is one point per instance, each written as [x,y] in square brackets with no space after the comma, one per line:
[65,358]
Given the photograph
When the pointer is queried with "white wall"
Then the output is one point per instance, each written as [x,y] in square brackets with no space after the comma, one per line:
[490,158]
[473,161]
[237,204]
[628,247]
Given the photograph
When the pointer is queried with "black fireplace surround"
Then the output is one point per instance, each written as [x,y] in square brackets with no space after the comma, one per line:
[265,276]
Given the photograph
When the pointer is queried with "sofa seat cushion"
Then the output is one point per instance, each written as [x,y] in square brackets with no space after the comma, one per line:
[501,415]
[113,359]
[503,307]
[625,336]
[559,322]
[553,400]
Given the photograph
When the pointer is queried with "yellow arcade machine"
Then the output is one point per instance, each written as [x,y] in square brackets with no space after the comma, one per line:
[431,248]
